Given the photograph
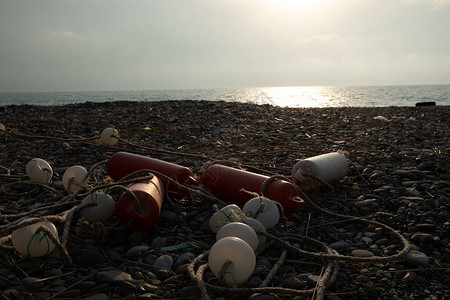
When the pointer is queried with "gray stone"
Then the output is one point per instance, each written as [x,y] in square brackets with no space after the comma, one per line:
[366,239]
[421,238]
[293,282]
[137,250]
[361,253]
[126,288]
[112,277]
[85,285]
[263,297]
[312,280]
[418,258]
[184,258]
[164,261]
[339,245]
[159,242]
[99,296]
[364,203]
[362,278]
[32,283]
[382,241]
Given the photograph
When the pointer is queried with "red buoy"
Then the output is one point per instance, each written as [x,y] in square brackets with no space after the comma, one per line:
[230,185]
[150,195]
[121,164]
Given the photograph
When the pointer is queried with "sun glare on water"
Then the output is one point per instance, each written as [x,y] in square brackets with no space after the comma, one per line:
[297,96]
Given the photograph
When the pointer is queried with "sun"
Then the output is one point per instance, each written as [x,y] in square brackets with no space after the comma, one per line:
[297,4]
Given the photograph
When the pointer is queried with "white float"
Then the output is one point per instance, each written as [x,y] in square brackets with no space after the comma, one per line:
[240,230]
[225,215]
[109,136]
[327,167]
[268,215]
[76,174]
[39,170]
[239,253]
[29,243]
[101,212]
[257,226]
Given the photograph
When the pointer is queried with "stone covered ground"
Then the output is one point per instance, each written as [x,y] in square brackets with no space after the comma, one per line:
[399,176]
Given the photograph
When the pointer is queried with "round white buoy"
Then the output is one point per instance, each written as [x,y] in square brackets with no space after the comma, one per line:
[227,214]
[239,253]
[29,243]
[101,212]
[327,167]
[74,174]
[109,136]
[257,226]
[39,170]
[263,210]
[240,230]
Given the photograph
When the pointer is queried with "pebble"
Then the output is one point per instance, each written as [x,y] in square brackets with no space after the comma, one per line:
[293,282]
[364,203]
[366,239]
[421,238]
[261,297]
[361,253]
[32,283]
[312,279]
[418,258]
[137,250]
[339,245]
[159,242]
[164,261]
[99,296]
[112,277]
[126,288]
[184,258]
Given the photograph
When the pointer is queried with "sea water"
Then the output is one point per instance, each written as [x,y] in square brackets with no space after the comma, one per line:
[301,96]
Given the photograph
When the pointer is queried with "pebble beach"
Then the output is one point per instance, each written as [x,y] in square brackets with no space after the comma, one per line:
[399,176]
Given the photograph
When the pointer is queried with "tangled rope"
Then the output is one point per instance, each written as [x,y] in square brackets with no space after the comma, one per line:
[67,209]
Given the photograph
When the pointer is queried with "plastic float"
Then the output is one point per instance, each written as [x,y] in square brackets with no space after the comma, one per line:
[29,243]
[232,186]
[150,195]
[238,253]
[257,226]
[225,215]
[121,164]
[240,230]
[39,170]
[262,209]
[73,178]
[102,211]
[327,167]
[109,136]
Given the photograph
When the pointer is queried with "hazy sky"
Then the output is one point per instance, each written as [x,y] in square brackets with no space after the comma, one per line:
[72,45]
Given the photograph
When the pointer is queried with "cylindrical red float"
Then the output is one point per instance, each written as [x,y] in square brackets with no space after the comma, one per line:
[121,164]
[150,195]
[228,184]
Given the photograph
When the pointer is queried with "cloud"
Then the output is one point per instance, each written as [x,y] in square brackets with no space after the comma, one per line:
[434,3]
